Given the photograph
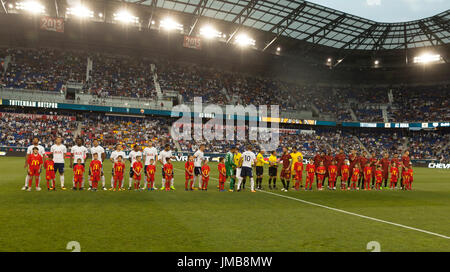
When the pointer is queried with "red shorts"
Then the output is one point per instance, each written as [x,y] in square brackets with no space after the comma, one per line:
[95,177]
[393,180]
[151,178]
[118,178]
[168,178]
[137,177]
[320,177]
[344,177]
[33,172]
[379,180]
[332,178]
[222,179]
[298,176]
[189,176]
[205,179]
[385,174]
[50,175]
[285,173]
[78,179]
[310,177]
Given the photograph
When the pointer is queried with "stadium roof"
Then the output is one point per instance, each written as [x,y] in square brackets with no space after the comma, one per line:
[302,20]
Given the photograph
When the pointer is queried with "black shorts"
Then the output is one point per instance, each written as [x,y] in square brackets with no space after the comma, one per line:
[272,171]
[59,167]
[259,170]
[246,172]
[197,171]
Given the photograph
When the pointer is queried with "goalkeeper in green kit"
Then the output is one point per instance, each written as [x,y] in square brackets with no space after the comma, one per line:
[230,166]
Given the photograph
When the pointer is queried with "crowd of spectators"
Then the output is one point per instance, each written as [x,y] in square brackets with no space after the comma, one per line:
[17,129]
[132,76]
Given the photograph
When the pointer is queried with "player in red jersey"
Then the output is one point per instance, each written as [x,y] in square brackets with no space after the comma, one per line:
[137,172]
[397,162]
[78,172]
[332,175]
[353,159]
[340,158]
[150,174]
[205,175]
[394,176]
[355,177]
[411,176]
[318,158]
[385,162]
[405,163]
[373,163]
[362,160]
[367,176]
[327,158]
[50,175]
[298,168]
[189,174]
[222,174]
[285,174]
[310,173]
[96,171]
[119,169]
[345,174]
[320,171]
[378,177]
[34,164]
[168,173]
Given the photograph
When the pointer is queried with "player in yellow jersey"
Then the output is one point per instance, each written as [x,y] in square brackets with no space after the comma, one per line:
[260,169]
[237,159]
[296,156]
[273,170]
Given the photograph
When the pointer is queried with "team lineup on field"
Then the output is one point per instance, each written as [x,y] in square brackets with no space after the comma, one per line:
[353,172]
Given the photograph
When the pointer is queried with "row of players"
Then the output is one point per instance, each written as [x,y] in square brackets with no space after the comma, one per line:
[235,166]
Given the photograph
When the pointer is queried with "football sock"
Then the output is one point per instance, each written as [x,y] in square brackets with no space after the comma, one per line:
[61,178]
[103,181]
[26,180]
[252,184]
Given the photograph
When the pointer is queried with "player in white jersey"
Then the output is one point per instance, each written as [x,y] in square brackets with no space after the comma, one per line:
[113,157]
[132,158]
[41,151]
[78,151]
[59,150]
[198,160]
[150,152]
[162,158]
[248,159]
[100,151]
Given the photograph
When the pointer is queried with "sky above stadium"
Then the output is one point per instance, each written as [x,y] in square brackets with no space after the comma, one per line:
[388,11]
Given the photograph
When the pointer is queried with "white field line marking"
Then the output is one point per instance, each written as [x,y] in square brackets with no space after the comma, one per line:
[351,213]
[355,214]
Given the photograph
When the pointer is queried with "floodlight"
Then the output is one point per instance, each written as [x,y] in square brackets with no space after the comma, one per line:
[376,62]
[125,17]
[100,15]
[209,32]
[329,60]
[80,11]
[244,40]
[169,24]
[427,58]
[31,6]
[278,49]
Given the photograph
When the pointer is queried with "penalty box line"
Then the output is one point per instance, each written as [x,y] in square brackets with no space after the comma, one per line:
[355,214]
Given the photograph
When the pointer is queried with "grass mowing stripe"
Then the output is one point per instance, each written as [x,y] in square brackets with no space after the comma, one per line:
[355,214]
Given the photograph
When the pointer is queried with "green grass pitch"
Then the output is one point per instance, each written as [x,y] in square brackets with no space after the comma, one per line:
[220,221]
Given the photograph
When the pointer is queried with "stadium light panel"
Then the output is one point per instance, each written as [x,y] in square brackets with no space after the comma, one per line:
[125,17]
[329,60]
[169,24]
[209,32]
[427,58]
[376,62]
[100,15]
[10,6]
[31,6]
[244,40]
[80,11]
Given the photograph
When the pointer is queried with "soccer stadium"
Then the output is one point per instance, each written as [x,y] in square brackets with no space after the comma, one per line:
[224,126]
